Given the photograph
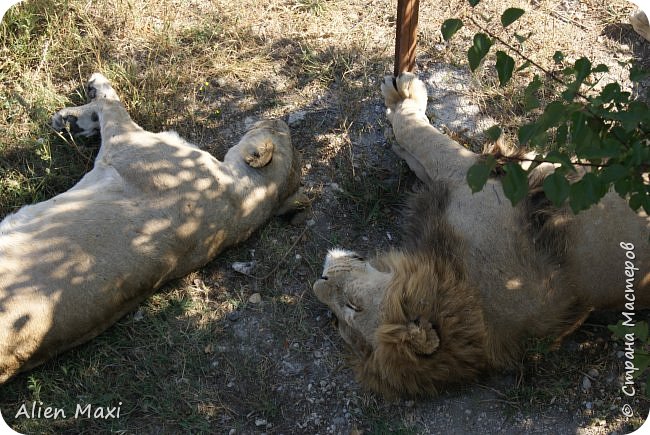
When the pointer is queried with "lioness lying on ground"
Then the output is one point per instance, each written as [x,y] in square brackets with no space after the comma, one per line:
[475,277]
[153,208]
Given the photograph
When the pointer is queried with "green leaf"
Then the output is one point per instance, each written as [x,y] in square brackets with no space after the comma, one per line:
[515,183]
[478,174]
[521,39]
[637,74]
[586,192]
[619,329]
[493,133]
[583,68]
[559,158]
[556,188]
[613,173]
[511,15]
[561,134]
[622,187]
[641,362]
[450,27]
[640,200]
[553,114]
[526,132]
[600,68]
[558,56]
[477,52]
[505,66]
[610,92]
[530,100]
[473,2]
[642,331]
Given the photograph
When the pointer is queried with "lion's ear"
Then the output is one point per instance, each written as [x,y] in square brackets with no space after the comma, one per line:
[258,153]
[418,336]
[423,338]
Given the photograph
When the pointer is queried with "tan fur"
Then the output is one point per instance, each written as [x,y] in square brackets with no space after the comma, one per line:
[475,277]
[153,208]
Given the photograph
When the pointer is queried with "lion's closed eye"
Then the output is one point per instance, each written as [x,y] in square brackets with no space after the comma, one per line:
[353,307]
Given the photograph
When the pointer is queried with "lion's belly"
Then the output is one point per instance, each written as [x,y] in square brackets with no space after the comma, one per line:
[609,255]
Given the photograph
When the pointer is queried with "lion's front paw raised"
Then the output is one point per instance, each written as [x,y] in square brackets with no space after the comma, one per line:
[403,88]
[99,87]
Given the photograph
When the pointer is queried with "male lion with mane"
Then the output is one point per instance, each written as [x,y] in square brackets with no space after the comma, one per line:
[475,277]
[153,208]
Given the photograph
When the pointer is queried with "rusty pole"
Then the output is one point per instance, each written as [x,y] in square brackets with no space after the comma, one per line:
[406,35]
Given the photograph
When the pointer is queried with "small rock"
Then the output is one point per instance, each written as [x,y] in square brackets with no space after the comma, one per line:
[620,354]
[296,118]
[255,298]
[311,222]
[589,405]
[138,315]
[593,373]
[586,384]
[232,432]
[318,354]
[335,187]
[248,122]
[260,422]
[234,316]
[244,267]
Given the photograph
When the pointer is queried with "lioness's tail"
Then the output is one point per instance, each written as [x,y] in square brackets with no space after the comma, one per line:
[403,88]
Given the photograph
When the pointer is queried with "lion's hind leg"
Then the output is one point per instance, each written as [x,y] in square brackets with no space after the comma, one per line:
[99,87]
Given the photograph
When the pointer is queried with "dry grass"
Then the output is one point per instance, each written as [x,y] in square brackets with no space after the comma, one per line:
[198,357]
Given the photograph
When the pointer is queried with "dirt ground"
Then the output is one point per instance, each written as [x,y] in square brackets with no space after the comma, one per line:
[223,352]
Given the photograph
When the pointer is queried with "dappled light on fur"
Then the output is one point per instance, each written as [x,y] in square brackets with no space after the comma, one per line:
[153,208]
[474,278]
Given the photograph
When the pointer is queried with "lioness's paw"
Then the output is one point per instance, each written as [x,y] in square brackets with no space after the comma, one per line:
[99,87]
[405,87]
[77,122]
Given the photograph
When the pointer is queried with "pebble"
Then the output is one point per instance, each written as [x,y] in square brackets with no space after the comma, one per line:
[248,122]
[586,384]
[593,373]
[260,422]
[255,298]
[245,267]
[234,316]
[296,118]
[138,315]
[232,432]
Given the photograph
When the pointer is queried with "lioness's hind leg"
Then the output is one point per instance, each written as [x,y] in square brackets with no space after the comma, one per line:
[99,87]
